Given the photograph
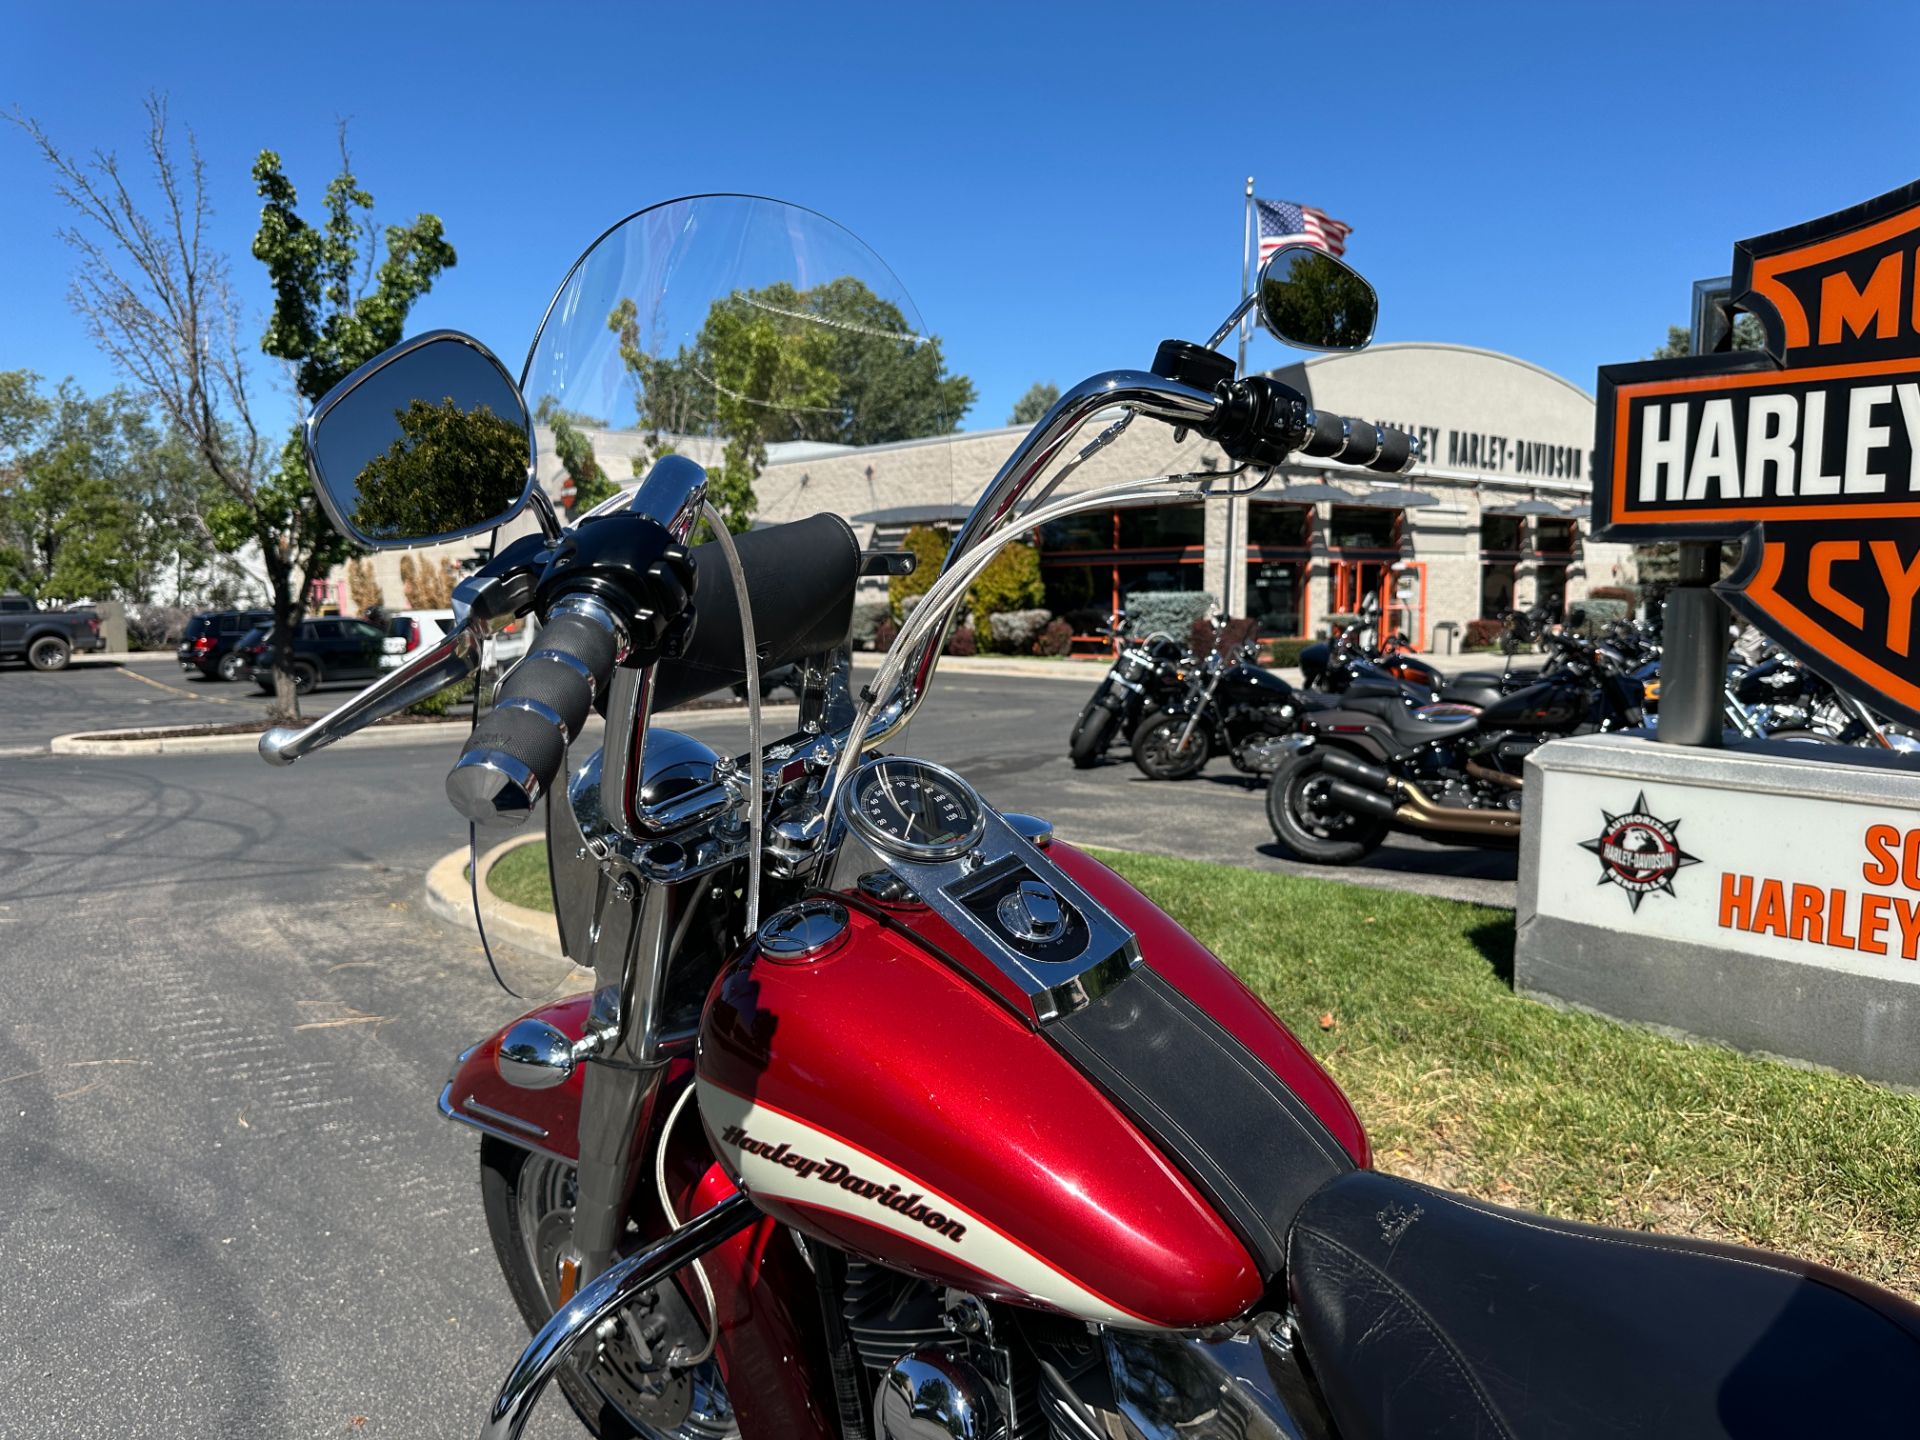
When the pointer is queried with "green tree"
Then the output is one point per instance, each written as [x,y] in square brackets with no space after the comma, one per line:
[159,302]
[96,502]
[1039,399]
[834,363]
[447,469]
[929,549]
[575,453]
[1748,334]
[338,302]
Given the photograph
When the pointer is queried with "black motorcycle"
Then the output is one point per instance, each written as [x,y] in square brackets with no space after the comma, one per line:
[1373,762]
[1148,671]
[1232,707]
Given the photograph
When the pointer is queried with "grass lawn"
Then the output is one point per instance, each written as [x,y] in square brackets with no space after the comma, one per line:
[520,877]
[1406,1001]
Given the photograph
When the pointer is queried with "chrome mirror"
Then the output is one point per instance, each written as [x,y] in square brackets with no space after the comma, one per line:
[1308,298]
[427,442]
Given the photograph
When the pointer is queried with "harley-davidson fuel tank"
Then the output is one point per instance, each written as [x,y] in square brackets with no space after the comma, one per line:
[876,1093]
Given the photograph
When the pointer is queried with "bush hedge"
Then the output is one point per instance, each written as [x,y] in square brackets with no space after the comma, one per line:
[1009,584]
[1056,639]
[1014,631]
[867,615]
[1483,635]
[929,549]
[1173,611]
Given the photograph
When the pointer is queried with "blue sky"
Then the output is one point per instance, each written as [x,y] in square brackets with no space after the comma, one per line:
[1058,186]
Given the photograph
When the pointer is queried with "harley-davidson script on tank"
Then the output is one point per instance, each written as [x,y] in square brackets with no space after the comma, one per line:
[863,1098]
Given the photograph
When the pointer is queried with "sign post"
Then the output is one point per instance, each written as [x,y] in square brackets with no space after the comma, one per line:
[1768,894]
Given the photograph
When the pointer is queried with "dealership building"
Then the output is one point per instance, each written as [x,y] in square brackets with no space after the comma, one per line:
[1494,518]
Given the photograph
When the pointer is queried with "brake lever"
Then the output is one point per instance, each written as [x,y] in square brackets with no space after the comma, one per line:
[454,656]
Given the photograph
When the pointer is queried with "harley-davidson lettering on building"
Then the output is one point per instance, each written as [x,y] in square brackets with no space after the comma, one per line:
[1810,448]
[1639,852]
[835,1172]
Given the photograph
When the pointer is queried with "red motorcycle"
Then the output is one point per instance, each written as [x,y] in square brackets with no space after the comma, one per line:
[889,1115]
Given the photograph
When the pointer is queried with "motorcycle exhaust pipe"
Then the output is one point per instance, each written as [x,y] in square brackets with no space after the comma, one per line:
[1494,777]
[1361,802]
[1343,766]
[1421,812]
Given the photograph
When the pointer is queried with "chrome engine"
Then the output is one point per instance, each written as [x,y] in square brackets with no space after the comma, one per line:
[945,1366]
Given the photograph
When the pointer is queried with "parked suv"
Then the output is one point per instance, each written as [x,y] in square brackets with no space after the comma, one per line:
[209,644]
[414,628]
[45,639]
[325,649]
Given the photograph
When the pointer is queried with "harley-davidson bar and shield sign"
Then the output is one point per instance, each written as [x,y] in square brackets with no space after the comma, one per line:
[1813,446]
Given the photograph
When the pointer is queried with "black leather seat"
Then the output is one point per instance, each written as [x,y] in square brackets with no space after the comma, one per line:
[1425,1314]
[1409,727]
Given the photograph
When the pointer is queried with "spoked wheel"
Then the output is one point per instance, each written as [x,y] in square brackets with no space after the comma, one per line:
[1092,734]
[1307,822]
[624,1387]
[1158,752]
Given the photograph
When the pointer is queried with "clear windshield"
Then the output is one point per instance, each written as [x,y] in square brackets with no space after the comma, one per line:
[763,341]
[778,351]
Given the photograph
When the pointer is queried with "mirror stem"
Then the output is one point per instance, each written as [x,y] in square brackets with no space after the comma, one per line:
[1226,325]
[550,527]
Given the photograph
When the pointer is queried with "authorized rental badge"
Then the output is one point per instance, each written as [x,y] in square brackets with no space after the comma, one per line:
[1809,449]
[1638,852]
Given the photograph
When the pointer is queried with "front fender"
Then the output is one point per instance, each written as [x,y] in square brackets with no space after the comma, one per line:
[770,1352]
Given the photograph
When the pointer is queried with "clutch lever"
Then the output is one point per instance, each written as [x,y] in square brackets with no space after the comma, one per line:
[486,600]
[453,657]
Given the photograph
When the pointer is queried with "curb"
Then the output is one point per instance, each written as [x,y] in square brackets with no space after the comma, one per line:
[95,742]
[533,931]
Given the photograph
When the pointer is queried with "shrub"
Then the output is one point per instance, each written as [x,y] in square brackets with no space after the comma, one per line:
[1010,583]
[884,634]
[867,615]
[961,641]
[444,702]
[1285,652]
[156,627]
[929,549]
[1483,635]
[1173,611]
[1056,639]
[1014,631]
[1617,592]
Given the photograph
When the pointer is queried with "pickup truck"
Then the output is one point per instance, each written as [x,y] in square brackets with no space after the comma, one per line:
[45,639]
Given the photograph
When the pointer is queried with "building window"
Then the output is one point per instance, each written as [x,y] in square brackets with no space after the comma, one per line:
[1277,598]
[1363,527]
[1555,537]
[1504,534]
[1090,564]
[1283,525]
[1496,588]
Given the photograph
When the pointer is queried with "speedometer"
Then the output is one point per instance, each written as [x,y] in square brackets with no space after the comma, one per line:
[914,809]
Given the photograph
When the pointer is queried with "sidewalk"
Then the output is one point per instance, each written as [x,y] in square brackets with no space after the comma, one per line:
[126,657]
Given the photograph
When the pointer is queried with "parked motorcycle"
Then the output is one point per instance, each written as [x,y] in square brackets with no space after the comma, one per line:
[1231,706]
[888,1115]
[1147,672]
[1374,763]
[1356,652]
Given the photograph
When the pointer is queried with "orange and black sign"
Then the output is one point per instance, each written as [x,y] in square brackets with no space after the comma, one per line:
[1810,449]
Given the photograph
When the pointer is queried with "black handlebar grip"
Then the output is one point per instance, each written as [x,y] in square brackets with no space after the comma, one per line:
[1363,443]
[1398,451]
[514,755]
[1326,435]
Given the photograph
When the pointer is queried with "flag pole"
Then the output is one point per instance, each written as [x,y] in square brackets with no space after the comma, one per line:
[1233,506]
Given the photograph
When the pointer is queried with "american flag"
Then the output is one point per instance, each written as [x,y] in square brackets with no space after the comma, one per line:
[1284,223]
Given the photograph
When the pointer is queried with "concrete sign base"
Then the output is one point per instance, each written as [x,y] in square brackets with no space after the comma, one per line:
[1766,896]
